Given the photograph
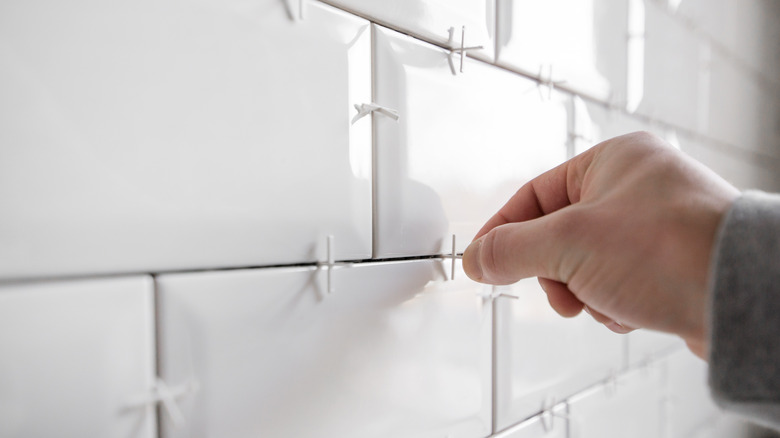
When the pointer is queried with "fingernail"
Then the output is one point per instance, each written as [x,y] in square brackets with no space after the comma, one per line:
[618,328]
[471,260]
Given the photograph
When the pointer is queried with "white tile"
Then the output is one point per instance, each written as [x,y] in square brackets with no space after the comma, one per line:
[542,357]
[671,66]
[595,123]
[551,424]
[744,30]
[432,19]
[462,146]
[690,406]
[741,168]
[584,41]
[394,351]
[631,407]
[157,135]
[74,356]
[742,112]
[647,345]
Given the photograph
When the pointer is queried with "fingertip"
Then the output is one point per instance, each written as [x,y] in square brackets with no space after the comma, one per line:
[471,260]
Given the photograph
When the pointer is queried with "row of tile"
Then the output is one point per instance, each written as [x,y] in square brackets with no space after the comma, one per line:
[175,149]
[667,398]
[628,53]
[744,30]
[396,349]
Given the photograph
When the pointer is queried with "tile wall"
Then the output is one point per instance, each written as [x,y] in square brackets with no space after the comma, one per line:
[234,218]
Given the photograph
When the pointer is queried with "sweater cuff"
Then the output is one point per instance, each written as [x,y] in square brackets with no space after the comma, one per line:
[745,309]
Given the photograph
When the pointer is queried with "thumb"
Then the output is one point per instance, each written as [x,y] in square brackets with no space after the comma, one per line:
[514,251]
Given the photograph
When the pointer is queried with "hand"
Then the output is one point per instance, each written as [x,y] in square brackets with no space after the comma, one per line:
[624,230]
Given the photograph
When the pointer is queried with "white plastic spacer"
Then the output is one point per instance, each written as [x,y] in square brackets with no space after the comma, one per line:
[458,49]
[167,396]
[365,109]
[547,81]
[495,293]
[330,262]
[454,256]
[290,6]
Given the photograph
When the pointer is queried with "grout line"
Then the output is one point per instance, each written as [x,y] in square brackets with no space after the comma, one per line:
[494,369]
[157,349]
[374,154]
[97,276]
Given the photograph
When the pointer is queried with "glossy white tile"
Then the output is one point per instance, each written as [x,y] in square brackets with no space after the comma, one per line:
[395,350]
[671,66]
[594,123]
[646,346]
[741,111]
[631,406]
[462,146]
[432,19]
[542,357]
[159,135]
[689,405]
[744,169]
[75,357]
[580,43]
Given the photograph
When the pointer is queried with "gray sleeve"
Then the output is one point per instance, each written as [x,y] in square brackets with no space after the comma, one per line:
[745,310]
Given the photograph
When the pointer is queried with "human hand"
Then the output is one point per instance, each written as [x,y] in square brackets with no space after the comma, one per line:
[625,230]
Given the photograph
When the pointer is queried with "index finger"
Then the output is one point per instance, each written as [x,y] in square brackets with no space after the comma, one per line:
[544,194]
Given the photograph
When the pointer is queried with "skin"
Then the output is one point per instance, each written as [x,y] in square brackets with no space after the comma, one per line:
[624,231]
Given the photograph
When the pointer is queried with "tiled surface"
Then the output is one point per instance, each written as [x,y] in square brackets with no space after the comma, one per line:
[542,358]
[741,111]
[644,346]
[743,30]
[671,69]
[432,19]
[631,406]
[76,357]
[152,136]
[595,122]
[741,168]
[462,146]
[585,46]
[163,136]
[395,350]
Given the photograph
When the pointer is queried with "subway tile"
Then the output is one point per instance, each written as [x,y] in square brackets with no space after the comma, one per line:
[150,136]
[631,406]
[461,148]
[594,123]
[431,20]
[580,43]
[542,358]
[741,111]
[671,68]
[645,346]
[741,168]
[394,350]
[77,357]
[744,30]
